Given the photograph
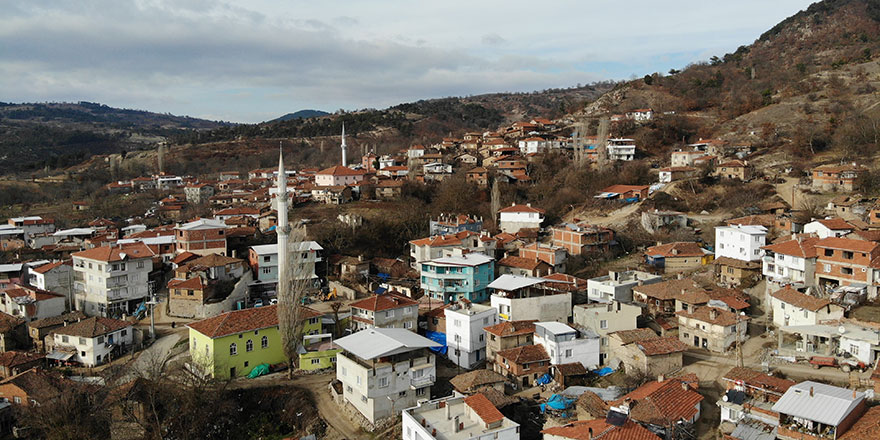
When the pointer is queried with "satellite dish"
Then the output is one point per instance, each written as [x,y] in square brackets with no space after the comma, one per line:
[724,398]
[841,329]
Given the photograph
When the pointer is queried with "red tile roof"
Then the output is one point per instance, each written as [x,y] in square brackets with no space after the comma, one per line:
[385,301]
[47,267]
[237,321]
[722,317]
[835,224]
[599,429]
[757,379]
[676,249]
[803,247]
[116,253]
[521,208]
[525,354]
[194,283]
[340,170]
[791,296]
[661,346]
[511,328]
[662,403]
[520,263]
[866,427]
[634,335]
[847,244]
[667,290]
[484,408]
[92,327]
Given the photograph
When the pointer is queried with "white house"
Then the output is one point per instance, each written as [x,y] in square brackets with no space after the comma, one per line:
[465,337]
[457,417]
[604,318]
[30,304]
[641,114]
[618,285]
[621,149]
[264,260]
[533,145]
[91,341]
[519,298]
[437,168]
[685,158]
[824,228]
[564,347]
[791,307]
[53,277]
[338,175]
[112,280]
[516,217]
[33,225]
[740,242]
[790,261]
[385,370]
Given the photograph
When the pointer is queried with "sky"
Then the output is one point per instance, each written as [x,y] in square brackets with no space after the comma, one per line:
[255,60]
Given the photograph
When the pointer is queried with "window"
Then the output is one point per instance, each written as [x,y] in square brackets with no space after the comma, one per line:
[421,391]
[846,270]
[603,324]
[82,341]
[847,255]
[264,342]
[267,259]
[358,380]
[190,293]
[829,252]
[806,313]
[383,382]
[568,353]
[344,371]
[408,324]
[249,346]
[401,394]
[481,338]
[100,339]
[233,349]
[140,264]
[16,399]
[348,389]
[826,267]
[854,349]
[364,399]
[316,361]
[389,313]
[603,341]
[266,270]
[457,323]
[82,354]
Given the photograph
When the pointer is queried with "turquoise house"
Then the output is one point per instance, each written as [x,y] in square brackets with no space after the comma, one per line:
[466,276]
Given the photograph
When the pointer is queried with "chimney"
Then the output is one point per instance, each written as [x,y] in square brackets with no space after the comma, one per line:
[713,313]
[660,378]
[529,205]
[679,276]
[811,391]
[360,258]
[590,433]
[854,393]
[684,386]
[446,410]
[456,424]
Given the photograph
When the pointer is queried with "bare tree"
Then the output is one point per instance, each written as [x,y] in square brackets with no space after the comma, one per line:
[495,202]
[291,291]
[335,306]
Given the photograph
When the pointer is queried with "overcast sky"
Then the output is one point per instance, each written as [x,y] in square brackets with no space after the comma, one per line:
[249,61]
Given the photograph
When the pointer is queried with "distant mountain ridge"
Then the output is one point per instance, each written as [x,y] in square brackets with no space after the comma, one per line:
[302,114]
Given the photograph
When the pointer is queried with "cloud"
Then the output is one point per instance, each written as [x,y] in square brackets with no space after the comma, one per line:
[207,57]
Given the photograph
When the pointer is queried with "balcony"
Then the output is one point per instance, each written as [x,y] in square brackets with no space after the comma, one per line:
[421,382]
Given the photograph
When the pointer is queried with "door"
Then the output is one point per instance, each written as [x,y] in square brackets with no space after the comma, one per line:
[696,341]
[232,372]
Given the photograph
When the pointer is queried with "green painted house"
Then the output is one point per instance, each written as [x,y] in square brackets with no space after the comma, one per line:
[233,343]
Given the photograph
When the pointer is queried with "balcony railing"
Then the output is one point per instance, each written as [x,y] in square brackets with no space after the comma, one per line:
[419,382]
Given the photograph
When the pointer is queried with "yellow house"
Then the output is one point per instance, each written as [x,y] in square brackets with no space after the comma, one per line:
[231,344]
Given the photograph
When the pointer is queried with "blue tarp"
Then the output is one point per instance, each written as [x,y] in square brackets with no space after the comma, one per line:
[604,372]
[439,338]
[544,380]
[380,290]
[557,402]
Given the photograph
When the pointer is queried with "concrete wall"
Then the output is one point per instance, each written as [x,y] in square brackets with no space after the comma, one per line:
[196,310]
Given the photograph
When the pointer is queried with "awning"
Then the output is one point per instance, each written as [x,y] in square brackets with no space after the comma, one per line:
[59,355]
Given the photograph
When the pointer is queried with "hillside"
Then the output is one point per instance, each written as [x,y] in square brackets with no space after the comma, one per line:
[301,114]
[808,84]
[37,135]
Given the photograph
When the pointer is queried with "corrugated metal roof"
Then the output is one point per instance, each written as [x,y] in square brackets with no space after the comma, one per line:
[513,282]
[378,342]
[827,404]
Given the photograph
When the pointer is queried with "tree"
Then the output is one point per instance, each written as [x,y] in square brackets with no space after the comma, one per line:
[291,291]
[649,79]
[495,202]
[335,306]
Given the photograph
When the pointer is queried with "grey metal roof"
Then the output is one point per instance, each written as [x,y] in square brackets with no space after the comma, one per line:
[828,404]
[754,431]
[513,282]
[378,342]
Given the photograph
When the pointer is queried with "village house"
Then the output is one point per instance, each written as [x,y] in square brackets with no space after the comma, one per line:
[30,304]
[91,341]
[198,193]
[555,256]
[711,328]
[15,362]
[385,368]
[641,351]
[662,406]
[846,262]
[478,176]
[388,310]
[339,176]
[53,277]
[33,387]
[582,238]
[112,280]
[478,380]
[13,333]
[678,256]
[617,286]
[523,266]
[433,247]
[516,217]
[522,365]
[453,224]
[679,159]
[40,328]
[831,227]
[457,417]
[604,318]
[508,334]
[740,242]
[202,236]
[848,342]
[231,344]
[627,193]
[523,298]
[566,345]
[656,220]
[204,280]
[818,410]
[590,429]
[458,276]
[790,262]
[387,189]
[465,336]
[621,149]
[33,225]
[263,260]
[673,174]
[734,169]
[836,177]
[791,307]
[664,298]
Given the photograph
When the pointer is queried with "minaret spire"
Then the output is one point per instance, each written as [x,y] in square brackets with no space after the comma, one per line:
[344,162]
[282,229]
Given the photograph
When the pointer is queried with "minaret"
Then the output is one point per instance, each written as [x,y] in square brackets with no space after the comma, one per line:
[282,229]
[344,163]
